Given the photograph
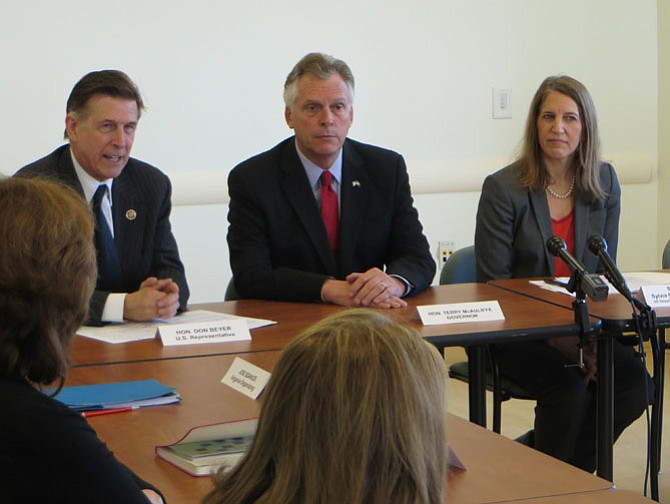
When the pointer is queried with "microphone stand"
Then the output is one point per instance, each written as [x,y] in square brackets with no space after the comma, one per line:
[605,363]
[581,311]
[645,324]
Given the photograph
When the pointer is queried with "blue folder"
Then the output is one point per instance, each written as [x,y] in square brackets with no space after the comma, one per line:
[113,395]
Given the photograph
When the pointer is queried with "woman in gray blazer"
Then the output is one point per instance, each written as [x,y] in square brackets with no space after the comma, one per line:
[557,187]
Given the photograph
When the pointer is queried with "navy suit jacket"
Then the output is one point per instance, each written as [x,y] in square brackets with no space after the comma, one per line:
[278,244]
[514,224]
[145,244]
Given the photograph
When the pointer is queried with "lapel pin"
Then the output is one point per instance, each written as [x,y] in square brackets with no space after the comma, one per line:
[131,214]
[355,183]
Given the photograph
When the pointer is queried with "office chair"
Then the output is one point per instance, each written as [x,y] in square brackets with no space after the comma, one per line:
[666,256]
[460,268]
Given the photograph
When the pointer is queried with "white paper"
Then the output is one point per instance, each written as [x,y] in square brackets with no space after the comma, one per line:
[639,278]
[458,313]
[246,378]
[137,331]
[634,280]
[543,284]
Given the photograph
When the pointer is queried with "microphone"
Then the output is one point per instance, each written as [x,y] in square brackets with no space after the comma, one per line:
[591,284]
[598,247]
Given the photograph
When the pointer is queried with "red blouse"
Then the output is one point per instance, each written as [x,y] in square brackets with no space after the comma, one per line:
[564,228]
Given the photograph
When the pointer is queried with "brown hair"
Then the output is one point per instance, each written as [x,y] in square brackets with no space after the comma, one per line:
[322,66]
[47,275]
[529,166]
[112,83]
[354,412]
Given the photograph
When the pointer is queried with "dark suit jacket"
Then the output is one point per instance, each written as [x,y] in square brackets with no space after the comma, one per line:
[278,243]
[145,245]
[514,224]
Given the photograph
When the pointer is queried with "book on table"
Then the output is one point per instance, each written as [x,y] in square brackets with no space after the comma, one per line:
[204,449]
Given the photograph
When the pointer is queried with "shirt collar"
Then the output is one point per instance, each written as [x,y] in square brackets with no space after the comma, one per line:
[88,183]
[314,172]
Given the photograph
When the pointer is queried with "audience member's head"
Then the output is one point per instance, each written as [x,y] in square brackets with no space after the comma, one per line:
[354,412]
[47,275]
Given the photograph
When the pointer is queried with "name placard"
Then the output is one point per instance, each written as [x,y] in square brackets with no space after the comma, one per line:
[656,296]
[458,313]
[246,378]
[204,332]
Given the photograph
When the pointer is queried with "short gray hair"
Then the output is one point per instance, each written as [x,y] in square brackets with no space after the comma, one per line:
[322,66]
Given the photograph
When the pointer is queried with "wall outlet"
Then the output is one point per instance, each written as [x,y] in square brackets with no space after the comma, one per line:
[445,249]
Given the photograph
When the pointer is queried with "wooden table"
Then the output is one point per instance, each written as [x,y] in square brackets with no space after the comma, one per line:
[616,315]
[521,322]
[291,317]
[525,318]
[595,497]
[498,469]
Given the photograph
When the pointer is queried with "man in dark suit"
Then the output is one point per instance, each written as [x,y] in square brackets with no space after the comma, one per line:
[140,275]
[320,217]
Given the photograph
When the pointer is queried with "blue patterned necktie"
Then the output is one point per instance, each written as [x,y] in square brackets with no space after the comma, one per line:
[109,269]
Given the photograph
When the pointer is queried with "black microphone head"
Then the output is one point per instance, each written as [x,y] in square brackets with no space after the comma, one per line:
[555,244]
[597,244]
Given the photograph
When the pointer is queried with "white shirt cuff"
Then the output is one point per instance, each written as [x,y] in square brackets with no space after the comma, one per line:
[113,311]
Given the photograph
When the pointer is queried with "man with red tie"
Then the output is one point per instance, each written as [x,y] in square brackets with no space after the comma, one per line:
[323,217]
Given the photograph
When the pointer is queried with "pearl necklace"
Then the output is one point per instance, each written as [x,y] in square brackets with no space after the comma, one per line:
[562,196]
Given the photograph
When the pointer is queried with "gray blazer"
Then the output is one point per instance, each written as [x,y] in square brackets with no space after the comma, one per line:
[513,226]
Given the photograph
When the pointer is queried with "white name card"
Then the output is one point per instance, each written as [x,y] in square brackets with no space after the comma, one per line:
[656,296]
[204,332]
[246,378]
[458,313]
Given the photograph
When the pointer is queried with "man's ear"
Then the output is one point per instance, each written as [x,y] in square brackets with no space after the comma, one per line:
[289,117]
[71,126]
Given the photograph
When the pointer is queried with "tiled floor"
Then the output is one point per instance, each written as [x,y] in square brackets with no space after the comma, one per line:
[630,451]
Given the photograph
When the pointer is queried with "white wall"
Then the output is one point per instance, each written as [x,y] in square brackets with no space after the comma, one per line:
[212,75]
[663,124]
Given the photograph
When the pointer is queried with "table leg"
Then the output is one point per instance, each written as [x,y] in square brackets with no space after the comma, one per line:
[605,431]
[477,384]
[657,341]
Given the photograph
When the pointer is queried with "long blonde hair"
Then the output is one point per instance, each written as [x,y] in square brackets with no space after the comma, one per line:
[354,412]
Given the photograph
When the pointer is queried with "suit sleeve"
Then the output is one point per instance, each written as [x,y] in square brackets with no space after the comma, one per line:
[494,231]
[166,262]
[95,308]
[613,202]
[254,274]
[408,249]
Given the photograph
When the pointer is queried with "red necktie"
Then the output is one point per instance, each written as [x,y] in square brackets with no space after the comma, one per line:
[329,212]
